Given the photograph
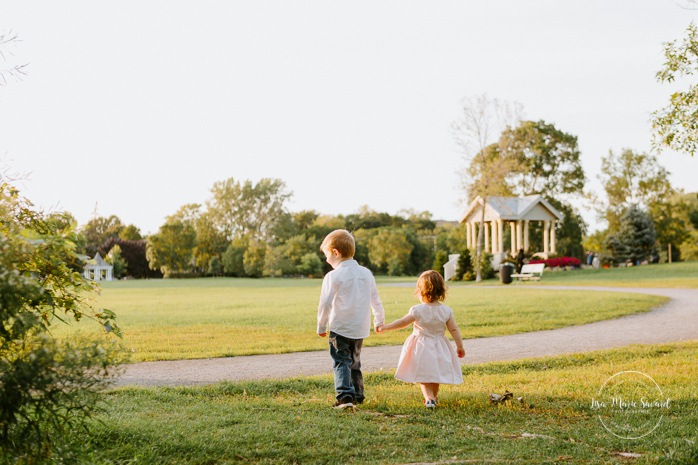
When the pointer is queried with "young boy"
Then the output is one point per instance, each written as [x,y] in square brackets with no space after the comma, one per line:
[348,293]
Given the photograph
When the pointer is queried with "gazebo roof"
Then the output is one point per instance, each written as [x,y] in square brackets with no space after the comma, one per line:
[530,207]
[97,263]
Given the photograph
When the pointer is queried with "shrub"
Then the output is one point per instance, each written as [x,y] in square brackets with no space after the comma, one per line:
[464,271]
[311,265]
[134,252]
[48,389]
[559,262]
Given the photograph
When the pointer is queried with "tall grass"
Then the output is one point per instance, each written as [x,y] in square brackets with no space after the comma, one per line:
[199,318]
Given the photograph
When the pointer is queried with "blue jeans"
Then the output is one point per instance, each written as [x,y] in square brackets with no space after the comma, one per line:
[346,355]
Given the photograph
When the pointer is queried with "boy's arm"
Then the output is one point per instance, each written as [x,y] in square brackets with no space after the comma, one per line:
[325,306]
[376,306]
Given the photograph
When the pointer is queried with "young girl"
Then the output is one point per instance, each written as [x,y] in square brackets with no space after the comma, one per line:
[427,356]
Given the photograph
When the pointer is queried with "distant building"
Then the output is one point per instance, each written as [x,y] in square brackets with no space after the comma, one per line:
[98,270]
[517,212]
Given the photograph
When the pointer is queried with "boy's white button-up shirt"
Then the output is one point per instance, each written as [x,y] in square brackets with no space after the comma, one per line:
[348,293]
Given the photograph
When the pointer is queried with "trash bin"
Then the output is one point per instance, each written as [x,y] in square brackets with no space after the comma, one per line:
[506,269]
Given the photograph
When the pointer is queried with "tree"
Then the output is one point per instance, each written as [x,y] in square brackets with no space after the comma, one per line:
[670,218]
[481,118]
[440,259]
[253,259]
[215,267]
[632,179]
[134,253]
[311,265]
[689,248]
[49,389]
[420,221]
[489,173]
[570,231]
[99,230]
[119,264]
[390,249]
[675,125]
[210,241]
[548,160]
[10,72]
[170,250]
[130,233]
[636,239]
[366,218]
[362,251]
[247,209]
[276,263]
[233,257]
[464,271]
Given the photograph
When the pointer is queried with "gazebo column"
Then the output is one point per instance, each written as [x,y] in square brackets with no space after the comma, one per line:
[546,234]
[493,238]
[512,242]
[552,236]
[487,237]
[519,235]
[500,235]
[467,235]
[525,234]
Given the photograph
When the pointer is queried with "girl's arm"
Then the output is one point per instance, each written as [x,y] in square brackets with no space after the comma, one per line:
[397,324]
[455,334]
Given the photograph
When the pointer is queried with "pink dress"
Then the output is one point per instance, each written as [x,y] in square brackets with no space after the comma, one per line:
[427,355]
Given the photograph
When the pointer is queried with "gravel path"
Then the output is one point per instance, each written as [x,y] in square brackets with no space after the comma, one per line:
[677,320]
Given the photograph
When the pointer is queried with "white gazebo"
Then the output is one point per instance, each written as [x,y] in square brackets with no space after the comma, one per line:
[517,212]
[98,270]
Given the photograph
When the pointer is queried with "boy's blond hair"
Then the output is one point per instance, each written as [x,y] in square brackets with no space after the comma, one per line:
[339,239]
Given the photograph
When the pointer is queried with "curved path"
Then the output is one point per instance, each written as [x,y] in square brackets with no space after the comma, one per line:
[677,320]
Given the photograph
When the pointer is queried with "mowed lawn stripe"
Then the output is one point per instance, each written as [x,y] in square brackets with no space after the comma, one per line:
[202,318]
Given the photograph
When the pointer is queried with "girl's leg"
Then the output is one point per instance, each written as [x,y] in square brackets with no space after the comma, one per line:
[429,390]
[426,391]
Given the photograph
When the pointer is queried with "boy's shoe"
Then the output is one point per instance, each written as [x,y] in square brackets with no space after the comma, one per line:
[429,404]
[344,402]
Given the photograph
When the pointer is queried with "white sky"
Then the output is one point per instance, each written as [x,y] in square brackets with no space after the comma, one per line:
[140,106]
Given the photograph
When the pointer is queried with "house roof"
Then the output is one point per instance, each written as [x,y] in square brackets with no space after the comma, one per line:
[512,209]
[97,262]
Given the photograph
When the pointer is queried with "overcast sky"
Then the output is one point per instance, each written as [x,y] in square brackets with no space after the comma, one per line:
[138,107]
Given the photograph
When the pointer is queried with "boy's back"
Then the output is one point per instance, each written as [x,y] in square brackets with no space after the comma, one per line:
[348,294]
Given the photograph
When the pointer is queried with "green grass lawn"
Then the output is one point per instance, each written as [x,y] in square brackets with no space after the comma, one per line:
[291,421]
[200,318]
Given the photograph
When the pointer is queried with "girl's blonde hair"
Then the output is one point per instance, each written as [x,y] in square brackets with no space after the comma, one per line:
[431,286]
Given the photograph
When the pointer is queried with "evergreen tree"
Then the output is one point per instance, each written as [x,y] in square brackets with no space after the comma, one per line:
[636,240]
[439,261]
[464,272]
